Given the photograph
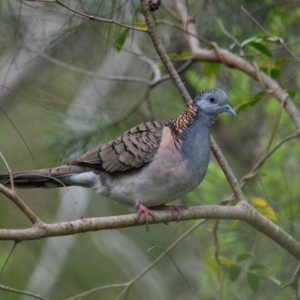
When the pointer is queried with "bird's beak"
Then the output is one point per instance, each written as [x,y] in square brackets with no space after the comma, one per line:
[229,109]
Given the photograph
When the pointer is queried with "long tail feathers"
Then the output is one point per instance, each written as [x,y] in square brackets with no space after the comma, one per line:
[47,178]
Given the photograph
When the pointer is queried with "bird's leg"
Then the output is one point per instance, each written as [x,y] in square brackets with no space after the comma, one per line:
[143,210]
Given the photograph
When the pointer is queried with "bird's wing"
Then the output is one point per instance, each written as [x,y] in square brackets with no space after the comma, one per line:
[133,149]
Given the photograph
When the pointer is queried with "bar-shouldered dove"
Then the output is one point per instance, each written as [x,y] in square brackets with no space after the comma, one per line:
[149,165]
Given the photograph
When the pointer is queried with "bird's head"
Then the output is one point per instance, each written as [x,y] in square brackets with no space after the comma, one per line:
[213,102]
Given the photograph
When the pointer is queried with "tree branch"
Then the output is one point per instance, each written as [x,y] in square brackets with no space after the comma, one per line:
[232,60]
[12,195]
[242,211]
[90,17]
[163,54]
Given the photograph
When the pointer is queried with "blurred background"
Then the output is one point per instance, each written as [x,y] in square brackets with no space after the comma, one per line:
[68,83]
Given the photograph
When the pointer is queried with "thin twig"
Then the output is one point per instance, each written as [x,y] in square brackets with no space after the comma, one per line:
[276,125]
[128,284]
[170,11]
[263,29]
[294,283]
[90,17]
[217,258]
[8,170]
[150,266]
[163,54]
[185,95]
[234,61]
[97,289]
[176,266]
[260,163]
[8,289]
[85,72]
[253,172]
[230,36]
[8,257]
[227,171]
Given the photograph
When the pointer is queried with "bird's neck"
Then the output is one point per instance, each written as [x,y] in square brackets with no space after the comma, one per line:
[191,131]
[190,123]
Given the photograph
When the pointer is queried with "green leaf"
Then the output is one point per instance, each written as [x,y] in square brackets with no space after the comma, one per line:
[120,41]
[291,93]
[261,48]
[274,73]
[253,281]
[243,256]
[275,39]
[234,272]
[250,40]
[251,102]
[275,280]
[265,70]
[280,61]
[225,261]
[213,265]
[211,69]
[257,267]
[183,54]
[198,82]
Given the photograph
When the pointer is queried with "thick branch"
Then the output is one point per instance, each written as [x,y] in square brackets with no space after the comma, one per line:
[241,211]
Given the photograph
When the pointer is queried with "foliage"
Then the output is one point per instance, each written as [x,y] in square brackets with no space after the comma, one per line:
[73,83]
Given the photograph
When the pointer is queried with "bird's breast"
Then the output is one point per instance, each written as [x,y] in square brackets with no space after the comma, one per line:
[170,175]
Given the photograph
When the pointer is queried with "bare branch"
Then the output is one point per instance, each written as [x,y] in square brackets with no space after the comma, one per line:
[242,211]
[163,54]
[8,289]
[85,72]
[8,257]
[178,269]
[294,283]
[12,195]
[227,171]
[128,285]
[217,258]
[8,170]
[185,95]
[90,17]
[253,172]
[263,29]
[260,163]
[232,60]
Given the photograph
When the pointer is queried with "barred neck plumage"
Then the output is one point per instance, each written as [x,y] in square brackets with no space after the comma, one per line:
[184,123]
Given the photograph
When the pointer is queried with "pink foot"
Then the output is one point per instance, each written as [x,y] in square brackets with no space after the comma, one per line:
[173,208]
[143,210]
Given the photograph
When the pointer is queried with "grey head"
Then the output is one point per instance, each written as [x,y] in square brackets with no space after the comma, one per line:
[211,102]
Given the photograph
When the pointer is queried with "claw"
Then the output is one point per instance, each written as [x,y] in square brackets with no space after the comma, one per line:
[173,208]
[143,210]
[178,209]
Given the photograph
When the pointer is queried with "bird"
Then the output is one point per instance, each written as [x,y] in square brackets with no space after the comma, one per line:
[148,166]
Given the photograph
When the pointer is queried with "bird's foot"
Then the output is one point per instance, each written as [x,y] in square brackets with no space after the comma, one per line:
[143,210]
[172,208]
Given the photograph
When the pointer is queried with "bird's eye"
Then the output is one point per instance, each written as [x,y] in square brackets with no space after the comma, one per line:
[212,100]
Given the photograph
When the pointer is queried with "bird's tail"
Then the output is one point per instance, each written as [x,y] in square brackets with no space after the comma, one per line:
[50,178]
